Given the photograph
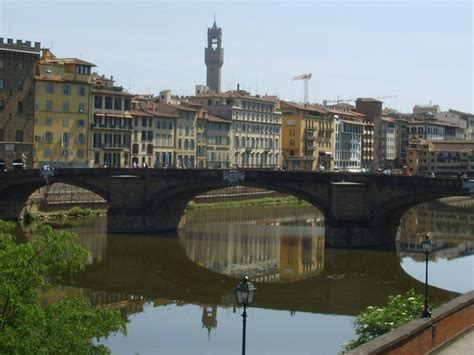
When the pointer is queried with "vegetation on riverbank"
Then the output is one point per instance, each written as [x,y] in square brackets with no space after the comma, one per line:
[375,321]
[67,326]
[266,201]
[73,212]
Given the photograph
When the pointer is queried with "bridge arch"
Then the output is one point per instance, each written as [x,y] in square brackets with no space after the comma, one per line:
[176,198]
[15,194]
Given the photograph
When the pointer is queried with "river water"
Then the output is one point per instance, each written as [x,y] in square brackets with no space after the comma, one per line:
[176,290]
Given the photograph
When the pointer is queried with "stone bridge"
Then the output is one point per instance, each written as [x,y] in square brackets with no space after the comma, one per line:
[360,210]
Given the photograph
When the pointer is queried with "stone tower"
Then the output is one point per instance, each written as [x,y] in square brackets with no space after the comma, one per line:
[214,57]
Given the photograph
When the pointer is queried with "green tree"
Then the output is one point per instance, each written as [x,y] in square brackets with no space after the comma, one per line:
[65,327]
[375,321]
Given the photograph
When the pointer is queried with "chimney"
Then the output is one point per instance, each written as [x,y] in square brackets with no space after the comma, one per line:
[238,87]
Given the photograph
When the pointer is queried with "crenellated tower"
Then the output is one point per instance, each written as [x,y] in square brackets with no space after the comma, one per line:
[214,57]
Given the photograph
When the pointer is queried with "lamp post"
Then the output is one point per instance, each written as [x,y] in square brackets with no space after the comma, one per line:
[427,247]
[244,293]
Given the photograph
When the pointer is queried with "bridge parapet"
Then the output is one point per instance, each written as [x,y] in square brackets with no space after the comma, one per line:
[355,206]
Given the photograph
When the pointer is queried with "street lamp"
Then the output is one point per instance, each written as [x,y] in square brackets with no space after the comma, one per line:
[427,247]
[244,293]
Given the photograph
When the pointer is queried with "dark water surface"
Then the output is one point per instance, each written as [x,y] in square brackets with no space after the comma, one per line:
[176,290]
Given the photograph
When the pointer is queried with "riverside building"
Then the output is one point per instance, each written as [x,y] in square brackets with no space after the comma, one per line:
[111,124]
[17,102]
[62,108]
[255,130]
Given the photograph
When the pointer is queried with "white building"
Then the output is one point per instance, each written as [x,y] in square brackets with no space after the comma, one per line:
[256,126]
[388,144]
[348,143]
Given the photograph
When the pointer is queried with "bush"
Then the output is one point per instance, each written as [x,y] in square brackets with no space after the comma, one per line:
[65,327]
[376,321]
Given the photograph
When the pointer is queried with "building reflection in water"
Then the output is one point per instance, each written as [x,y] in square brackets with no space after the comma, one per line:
[285,254]
[91,232]
[450,222]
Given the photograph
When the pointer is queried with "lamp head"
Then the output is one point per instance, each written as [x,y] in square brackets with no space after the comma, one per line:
[427,244]
[245,292]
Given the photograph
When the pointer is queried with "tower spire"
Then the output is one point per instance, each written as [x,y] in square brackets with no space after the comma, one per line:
[214,57]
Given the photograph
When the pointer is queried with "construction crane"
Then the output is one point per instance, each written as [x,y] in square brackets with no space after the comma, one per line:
[305,78]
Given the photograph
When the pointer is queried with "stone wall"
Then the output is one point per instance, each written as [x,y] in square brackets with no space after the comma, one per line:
[423,335]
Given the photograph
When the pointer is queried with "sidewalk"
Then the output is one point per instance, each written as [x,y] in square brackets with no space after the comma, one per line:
[461,345]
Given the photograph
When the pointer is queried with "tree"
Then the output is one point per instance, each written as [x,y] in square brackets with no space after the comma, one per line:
[65,327]
[376,321]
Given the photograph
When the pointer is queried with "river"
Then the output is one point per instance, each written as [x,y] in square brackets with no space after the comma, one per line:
[176,290]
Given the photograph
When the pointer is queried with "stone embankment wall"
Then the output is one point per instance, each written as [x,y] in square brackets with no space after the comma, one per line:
[421,336]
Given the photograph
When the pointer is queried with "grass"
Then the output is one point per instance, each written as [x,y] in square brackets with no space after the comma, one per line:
[73,212]
[266,201]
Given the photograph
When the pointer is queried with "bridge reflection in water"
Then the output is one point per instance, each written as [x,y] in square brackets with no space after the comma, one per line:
[201,267]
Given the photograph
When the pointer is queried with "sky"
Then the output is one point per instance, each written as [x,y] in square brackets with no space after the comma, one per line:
[404,53]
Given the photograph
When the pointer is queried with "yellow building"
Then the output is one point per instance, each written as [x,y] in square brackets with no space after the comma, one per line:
[62,97]
[307,137]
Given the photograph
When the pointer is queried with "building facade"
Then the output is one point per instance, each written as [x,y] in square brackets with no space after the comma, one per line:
[214,58]
[62,109]
[441,157]
[111,125]
[348,142]
[17,102]
[372,109]
[256,123]
[388,143]
[307,136]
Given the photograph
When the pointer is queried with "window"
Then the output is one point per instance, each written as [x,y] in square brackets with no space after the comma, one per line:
[49,121]
[49,88]
[81,138]
[66,106]
[66,89]
[108,102]
[126,104]
[81,107]
[144,122]
[97,101]
[2,135]
[65,122]
[48,137]
[97,140]
[2,105]
[47,153]
[135,149]
[80,153]
[292,132]
[81,91]
[65,139]
[20,106]
[81,123]
[20,84]
[117,103]
[19,136]
[1,63]
[1,84]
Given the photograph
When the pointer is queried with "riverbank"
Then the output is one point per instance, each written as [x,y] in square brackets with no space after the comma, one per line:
[74,212]
[266,201]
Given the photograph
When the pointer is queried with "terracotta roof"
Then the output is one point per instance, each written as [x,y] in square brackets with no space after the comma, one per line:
[367,99]
[213,118]
[347,113]
[141,113]
[69,61]
[234,94]
[307,107]
[357,123]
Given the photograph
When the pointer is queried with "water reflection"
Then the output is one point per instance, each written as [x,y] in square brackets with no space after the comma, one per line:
[450,222]
[264,253]
[170,286]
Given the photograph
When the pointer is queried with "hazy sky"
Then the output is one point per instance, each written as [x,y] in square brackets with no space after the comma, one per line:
[421,52]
